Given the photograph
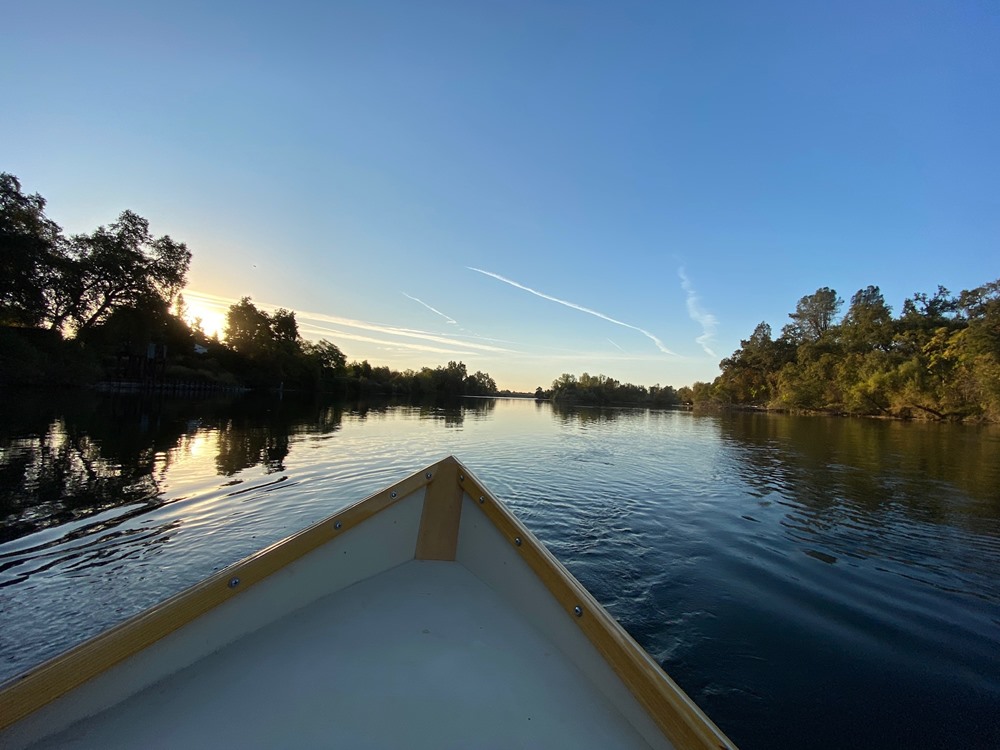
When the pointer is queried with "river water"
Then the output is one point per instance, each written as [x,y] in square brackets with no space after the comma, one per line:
[810,582]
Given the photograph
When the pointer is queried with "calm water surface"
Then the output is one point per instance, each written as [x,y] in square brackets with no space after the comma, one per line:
[810,582]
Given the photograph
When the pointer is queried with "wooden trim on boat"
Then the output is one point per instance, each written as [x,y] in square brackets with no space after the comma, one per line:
[34,689]
[437,538]
[677,716]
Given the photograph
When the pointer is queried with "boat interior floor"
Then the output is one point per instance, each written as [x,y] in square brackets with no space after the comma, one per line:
[423,655]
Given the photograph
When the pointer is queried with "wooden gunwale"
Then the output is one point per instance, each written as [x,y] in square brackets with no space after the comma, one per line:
[447,481]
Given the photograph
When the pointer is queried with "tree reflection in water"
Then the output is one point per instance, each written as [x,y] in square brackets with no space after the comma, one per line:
[65,458]
[69,456]
[72,456]
[825,462]
[450,412]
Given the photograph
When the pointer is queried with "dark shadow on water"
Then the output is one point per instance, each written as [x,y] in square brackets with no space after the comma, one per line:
[935,473]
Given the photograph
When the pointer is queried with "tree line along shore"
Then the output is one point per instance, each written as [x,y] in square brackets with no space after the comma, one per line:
[938,359]
[107,307]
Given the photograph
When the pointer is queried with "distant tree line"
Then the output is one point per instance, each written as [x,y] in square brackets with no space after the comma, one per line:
[601,390]
[939,358]
[450,380]
[107,306]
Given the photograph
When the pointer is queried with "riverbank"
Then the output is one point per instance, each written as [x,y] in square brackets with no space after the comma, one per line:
[912,414]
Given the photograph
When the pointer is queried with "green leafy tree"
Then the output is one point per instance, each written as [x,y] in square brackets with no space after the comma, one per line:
[981,309]
[922,315]
[868,323]
[866,381]
[564,386]
[930,311]
[601,390]
[962,358]
[664,396]
[701,393]
[814,315]
[810,382]
[940,358]
[749,375]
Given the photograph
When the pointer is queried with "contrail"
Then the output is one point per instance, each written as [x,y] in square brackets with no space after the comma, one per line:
[305,318]
[421,302]
[602,316]
[707,321]
[321,331]
[616,346]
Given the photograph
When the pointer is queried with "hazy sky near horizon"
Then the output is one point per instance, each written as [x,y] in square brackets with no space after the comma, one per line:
[532,188]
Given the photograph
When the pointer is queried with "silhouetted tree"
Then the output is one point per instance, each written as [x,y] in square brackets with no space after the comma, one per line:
[32,256]
[122,265]
[248,329]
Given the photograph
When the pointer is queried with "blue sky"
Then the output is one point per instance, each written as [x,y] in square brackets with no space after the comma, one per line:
[531,188]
